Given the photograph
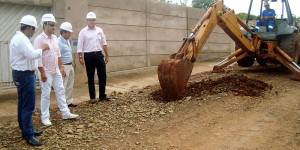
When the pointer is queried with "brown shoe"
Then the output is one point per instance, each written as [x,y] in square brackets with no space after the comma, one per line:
[93,101]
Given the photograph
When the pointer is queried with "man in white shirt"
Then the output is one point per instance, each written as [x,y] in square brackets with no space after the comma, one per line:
[23,61]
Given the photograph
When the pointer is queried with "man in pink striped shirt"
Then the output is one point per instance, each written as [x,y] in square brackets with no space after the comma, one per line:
[91,42]
[51,70]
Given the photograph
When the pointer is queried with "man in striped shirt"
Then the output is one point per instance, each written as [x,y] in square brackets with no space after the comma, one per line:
[51,71]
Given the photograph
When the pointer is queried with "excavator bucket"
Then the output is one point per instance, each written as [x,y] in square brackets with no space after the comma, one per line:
[173,75]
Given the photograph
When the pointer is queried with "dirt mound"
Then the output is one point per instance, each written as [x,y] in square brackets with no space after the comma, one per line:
[237,84]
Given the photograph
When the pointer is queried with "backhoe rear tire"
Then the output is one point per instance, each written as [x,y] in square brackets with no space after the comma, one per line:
[261,62]
[290,45]
[245,62]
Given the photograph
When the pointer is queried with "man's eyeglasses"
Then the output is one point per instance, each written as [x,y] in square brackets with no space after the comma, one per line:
[52,25]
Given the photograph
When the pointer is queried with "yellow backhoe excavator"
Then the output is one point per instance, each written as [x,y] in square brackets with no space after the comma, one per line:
[281,46]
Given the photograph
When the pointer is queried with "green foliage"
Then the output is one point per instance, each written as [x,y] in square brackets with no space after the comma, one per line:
[203,4]
[167,1]
[243,16]
[183,2]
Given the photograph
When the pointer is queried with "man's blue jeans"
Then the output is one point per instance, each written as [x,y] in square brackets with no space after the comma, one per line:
[25,82]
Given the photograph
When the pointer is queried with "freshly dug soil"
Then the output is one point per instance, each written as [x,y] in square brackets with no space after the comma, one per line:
[237,84]
[230,110]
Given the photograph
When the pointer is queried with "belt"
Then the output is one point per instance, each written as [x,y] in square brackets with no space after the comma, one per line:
[28,71]
[68,63]
[94,52]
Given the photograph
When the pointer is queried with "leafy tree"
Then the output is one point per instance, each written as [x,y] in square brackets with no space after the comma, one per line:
[243,16]
[167,1]
[203,4]
[183,2]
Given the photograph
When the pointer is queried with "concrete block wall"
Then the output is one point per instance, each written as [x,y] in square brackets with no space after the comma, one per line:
[47,3]
[140,33]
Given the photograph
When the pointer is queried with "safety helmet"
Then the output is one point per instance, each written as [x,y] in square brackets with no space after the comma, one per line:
[47,18]
[29,20]
[66,26]
[91,15]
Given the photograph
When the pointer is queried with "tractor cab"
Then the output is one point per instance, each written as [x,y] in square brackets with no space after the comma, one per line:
[283,21]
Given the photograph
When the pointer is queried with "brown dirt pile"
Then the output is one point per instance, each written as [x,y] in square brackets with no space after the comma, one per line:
[237,84]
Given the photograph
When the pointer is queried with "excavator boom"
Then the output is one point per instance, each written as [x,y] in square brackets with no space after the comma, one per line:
[174,72]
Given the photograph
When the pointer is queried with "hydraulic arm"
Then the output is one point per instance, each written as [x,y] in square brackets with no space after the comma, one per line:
[174,72]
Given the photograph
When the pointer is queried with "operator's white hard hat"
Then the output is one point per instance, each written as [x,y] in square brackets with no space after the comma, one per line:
[47,18]
[267,4]
[66,26]
[91,15]
[29,20]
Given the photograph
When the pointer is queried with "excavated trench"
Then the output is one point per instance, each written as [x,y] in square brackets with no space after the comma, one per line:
[239,85]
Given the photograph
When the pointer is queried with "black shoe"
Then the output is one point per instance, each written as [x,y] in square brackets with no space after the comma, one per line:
[37,133]
[72,105]
[105,99]
[34,142]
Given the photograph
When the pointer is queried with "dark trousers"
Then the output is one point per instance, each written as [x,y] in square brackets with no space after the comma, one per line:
[25,82]
[95,60]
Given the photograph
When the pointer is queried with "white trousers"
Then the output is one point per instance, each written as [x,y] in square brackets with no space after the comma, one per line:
[68,83]
[56,81]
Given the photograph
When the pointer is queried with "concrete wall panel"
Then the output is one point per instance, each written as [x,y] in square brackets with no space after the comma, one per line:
[220,37]
[208,56]
[194,13]
[163,8]
[127,48]
[119,16]
[215,47]
[163,34]
[75,13]
[140,33]
[137,5]
[126,63]
[47,3]
[162,48]
[192,23]
[154,20]
[59,9]
[124,33]
[156,59]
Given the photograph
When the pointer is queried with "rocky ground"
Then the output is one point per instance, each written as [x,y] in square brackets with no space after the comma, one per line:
[242,108]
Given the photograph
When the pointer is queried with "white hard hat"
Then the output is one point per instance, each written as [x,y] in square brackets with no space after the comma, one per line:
[66,26]
[29,20]
[47,18]
[91,15]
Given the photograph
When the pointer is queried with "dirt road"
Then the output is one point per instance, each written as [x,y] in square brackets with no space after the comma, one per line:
[135,119]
